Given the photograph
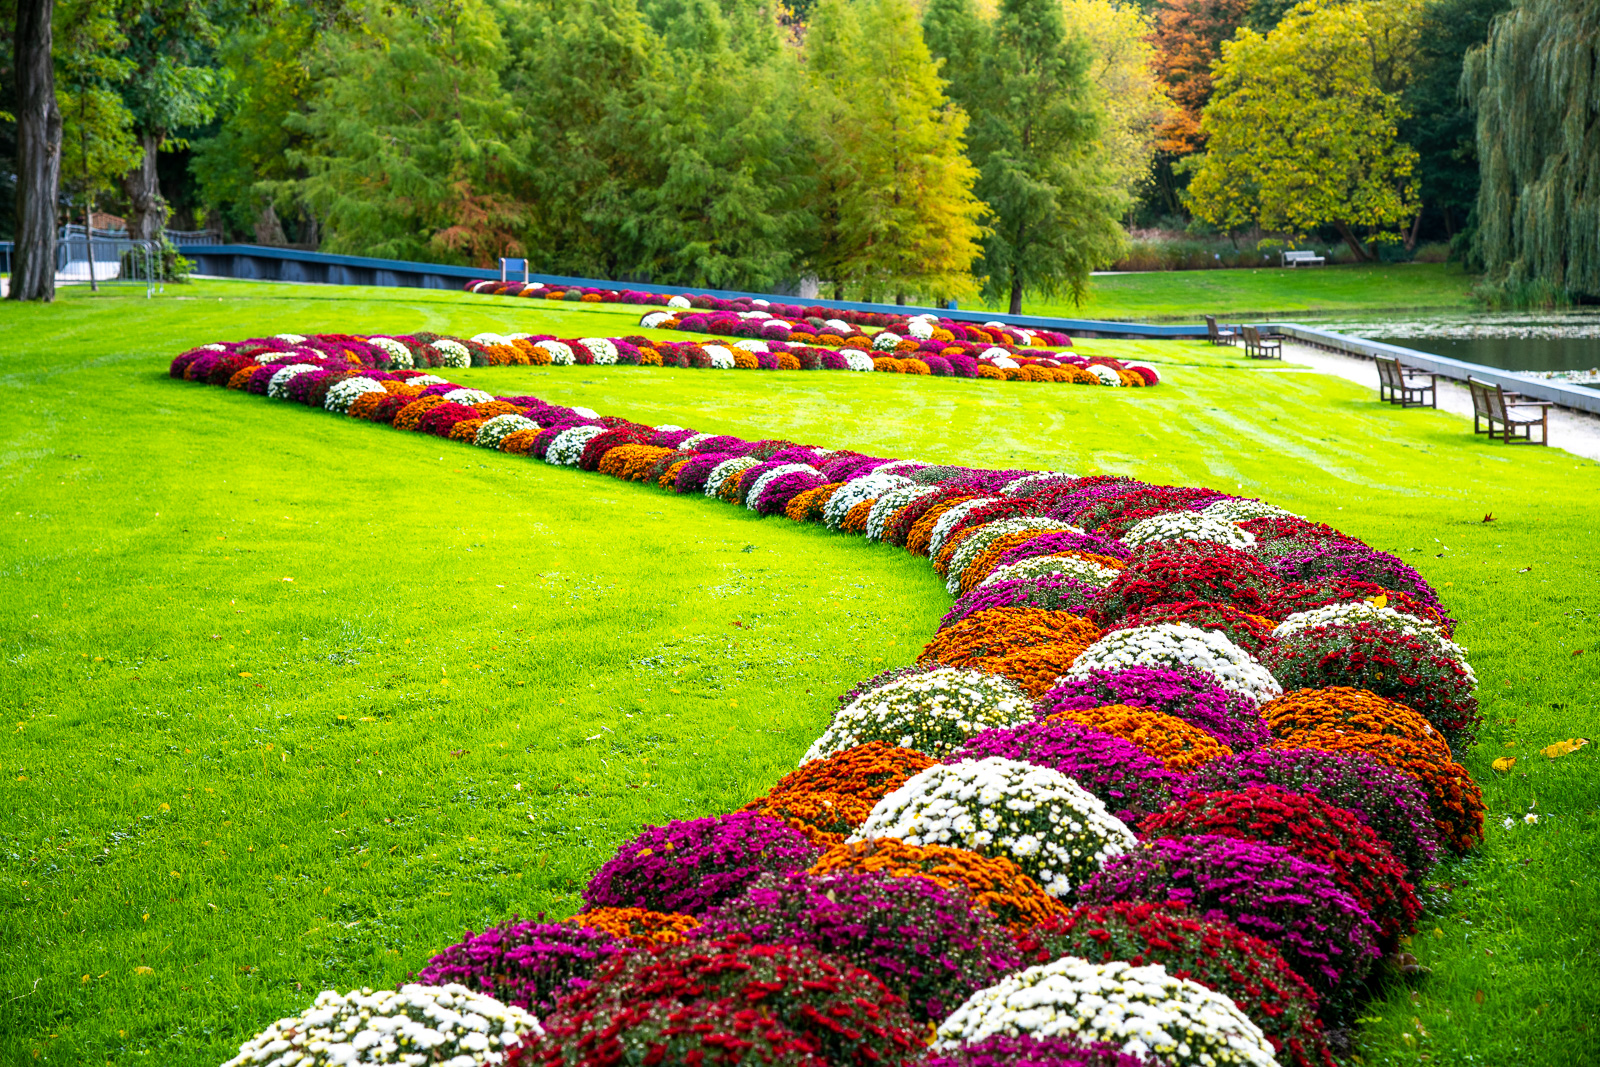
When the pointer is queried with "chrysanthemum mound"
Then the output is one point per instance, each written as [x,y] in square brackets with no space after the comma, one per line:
[414,1024]
[931,713]
[529,965]
[1143,1010]
[1038,818]
[926,942]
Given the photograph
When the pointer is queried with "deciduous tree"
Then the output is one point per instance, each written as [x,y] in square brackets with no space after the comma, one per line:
[33,260]
[1302,131]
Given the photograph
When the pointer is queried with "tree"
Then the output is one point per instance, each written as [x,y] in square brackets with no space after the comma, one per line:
[1440,124]
[33,260]
[98,145]
[1036,123]
[1121,67]
[1188,39]
[412,143]
[1302,131]
[1536,87]
[902,211]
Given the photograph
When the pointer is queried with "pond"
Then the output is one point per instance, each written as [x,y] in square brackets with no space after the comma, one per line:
[1514,341]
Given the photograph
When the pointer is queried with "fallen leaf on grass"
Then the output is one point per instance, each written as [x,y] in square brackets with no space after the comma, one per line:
[1524,570]
[1477,996]
[1577,652]
[1562,748]
[457,753]
[144,970]
[1489,517]
[1504,763]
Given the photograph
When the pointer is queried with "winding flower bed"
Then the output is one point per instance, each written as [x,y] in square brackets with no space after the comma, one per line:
[1175,756]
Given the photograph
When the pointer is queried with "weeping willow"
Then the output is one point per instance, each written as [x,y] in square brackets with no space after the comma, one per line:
[1536,88]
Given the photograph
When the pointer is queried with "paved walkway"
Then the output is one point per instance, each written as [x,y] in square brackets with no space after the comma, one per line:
[1576,432]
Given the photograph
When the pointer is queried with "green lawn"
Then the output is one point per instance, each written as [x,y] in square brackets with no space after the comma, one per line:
[1266,293]
[258,787]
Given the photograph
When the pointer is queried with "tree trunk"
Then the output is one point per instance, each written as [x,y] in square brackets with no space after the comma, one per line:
[269,231]
[1016,294]
[1354,242]
[900,299]
[1416,227]
[33,261]
[147,212]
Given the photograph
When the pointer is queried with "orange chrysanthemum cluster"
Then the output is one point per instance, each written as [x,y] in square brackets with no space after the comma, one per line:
[1000,632]
[364,405]
[1177,744]
[638,925]
[466,430]
[922,529]
[1341,719]
[670,475]
[490,408]
[993,881]
[807,506]
[519,442]
[409,416]
[855,520]
[872,770]
[631,463]
[1037,670]
[825,818]
[787,362]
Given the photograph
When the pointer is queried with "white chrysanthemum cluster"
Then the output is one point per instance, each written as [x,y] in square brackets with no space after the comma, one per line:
[750,344]
[603,351]
[1177,644]
[560,354]
[1038,818]
[678,302]
[838,326]
[1145,1011]
[585,413]
[422,381]
[468,396]
[994,353]
[1106,375]
[399,355]
[497,429]
[278,384]
[1188,526]
[1239,509]
[754,315]
[452,353]
[1067,565]
[344,393]
[951,519]
[443,1026]
[567,449]
[727,468]
[920,328]
[1032,483]
[885,341]
[857,490]
[855,360]
[289,338]
[933,713]
[721,358]
[979,540]
[652,319]
[891,502]
[753,497]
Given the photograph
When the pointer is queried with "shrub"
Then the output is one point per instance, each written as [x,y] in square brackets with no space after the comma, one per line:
[1040,819]
[1129,782]
[1324,934]
[1179,746]
[1216,954]
[1172,1021]
[1389,802]
[923,940]
[931,713]
[1168,576]
[1385,660]
[1001,631]
[530,965]
[1312,829]
[691,867]
[994,882]
[1179,646]
[1051,592]
[1185,694]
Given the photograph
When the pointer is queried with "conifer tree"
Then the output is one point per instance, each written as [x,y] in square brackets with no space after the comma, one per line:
[906,217]
[1053,204]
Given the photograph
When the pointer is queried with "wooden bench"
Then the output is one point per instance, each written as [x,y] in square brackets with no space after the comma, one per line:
[1399,384]
[1219,335]
[1258,348]
[1491,404]
[1302,259]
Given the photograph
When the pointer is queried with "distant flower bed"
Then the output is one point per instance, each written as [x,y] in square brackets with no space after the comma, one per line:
[1135,799]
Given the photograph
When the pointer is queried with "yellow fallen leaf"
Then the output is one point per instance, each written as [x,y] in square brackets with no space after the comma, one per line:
[1562,748]
[144,970]
[1504,763]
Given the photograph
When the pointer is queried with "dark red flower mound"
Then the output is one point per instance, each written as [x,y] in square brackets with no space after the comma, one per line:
[1213,952]
[1308,596]
[791,997]
[596,447]
[1383,660]
[1311,829]
[1216,575]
